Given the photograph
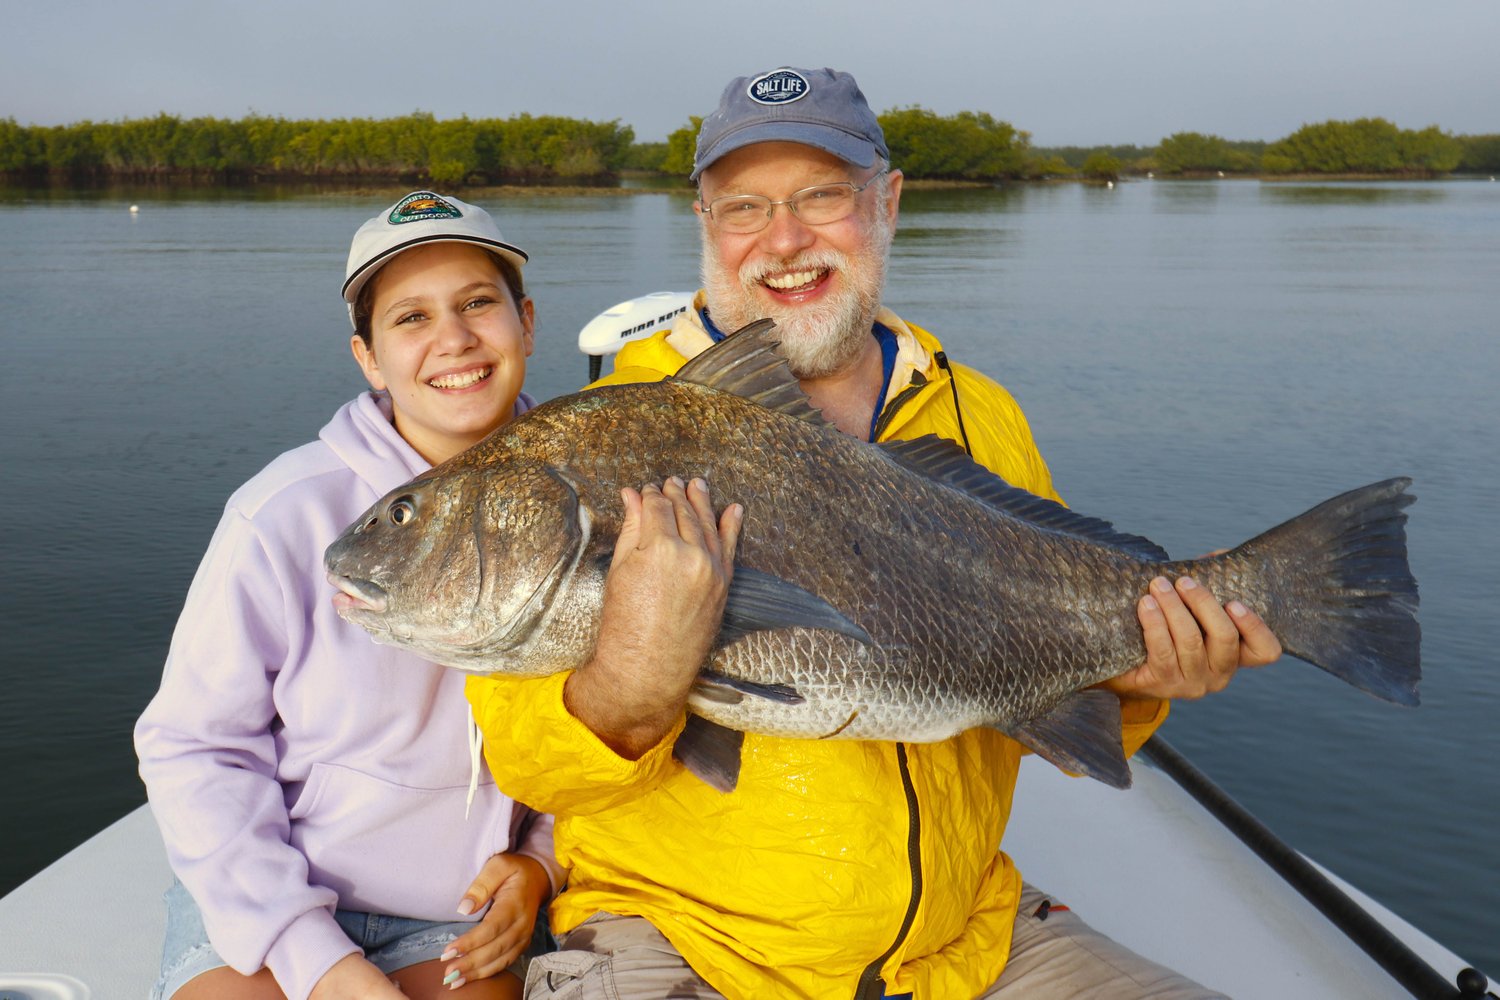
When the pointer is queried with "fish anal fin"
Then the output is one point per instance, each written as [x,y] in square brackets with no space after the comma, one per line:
[1081,735]
[759,601]
[710,751]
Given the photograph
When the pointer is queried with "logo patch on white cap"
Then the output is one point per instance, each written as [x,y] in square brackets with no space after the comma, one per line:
[780,86]
[419,206]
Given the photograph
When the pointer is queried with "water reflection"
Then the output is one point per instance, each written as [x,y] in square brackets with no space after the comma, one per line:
[1350,193]
[963,201]
[1186,196]
[945,239]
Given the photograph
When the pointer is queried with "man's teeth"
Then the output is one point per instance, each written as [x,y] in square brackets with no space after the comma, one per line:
[792,279]
[460,380]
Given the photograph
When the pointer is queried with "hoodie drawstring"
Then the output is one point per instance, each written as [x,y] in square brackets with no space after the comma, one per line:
[476,747]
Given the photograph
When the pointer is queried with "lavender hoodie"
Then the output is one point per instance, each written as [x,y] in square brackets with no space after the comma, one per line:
[293,765]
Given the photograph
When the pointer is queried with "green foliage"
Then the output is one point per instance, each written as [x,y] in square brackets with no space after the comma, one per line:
[412,147]
[1047,167]
[1101,167]
[20,148]
[970,145]
[1478,154]
[645,156]
[1073,156]
[681,147]
[1364,146]
[1188,152]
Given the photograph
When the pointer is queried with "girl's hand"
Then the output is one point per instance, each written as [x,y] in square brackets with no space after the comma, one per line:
[514,886]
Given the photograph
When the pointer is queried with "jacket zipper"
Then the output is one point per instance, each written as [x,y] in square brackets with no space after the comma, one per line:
[917,384]
[871,986]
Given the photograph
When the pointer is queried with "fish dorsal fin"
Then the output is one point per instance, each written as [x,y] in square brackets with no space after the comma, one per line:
[747,364]
[943,461]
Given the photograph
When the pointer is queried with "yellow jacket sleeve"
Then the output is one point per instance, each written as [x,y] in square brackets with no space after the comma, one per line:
[542,755]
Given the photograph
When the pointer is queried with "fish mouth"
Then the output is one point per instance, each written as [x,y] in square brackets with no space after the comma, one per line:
[357,595]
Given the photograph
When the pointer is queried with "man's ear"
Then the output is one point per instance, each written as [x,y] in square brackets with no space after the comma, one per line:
[364,356]
[894,206]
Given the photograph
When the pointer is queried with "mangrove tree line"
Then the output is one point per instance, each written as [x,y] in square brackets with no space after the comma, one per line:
[416,146]
[967,146]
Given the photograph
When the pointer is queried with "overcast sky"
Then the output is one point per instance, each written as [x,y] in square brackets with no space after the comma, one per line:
[1067,71]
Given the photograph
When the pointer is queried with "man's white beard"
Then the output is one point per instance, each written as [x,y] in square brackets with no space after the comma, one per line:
[817,339]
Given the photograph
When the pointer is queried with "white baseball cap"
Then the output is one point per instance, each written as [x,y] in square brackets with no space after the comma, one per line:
[421,217]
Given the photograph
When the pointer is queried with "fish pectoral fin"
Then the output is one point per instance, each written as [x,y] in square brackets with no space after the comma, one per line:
[725,690]
[759,601]
[1081,735]
[710,751]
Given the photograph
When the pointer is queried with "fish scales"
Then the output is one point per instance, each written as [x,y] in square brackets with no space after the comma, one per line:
[926,597]
[936,544]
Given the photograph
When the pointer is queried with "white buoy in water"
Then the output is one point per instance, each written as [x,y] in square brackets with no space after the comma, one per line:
[1109,184]
[134,209]
[1149,175]
[1221,173]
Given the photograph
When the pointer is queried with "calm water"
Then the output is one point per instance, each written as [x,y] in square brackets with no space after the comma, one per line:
[1199,361]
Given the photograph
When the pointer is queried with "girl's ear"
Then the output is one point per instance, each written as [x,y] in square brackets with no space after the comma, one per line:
[364,356]
[528,323]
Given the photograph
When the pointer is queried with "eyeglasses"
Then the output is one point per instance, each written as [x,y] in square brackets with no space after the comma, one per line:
[816,206]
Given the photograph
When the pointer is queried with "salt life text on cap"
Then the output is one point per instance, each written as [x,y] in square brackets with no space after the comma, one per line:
[822,108]
[420,217]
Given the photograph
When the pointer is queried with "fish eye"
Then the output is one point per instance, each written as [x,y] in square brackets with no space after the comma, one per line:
[402,510]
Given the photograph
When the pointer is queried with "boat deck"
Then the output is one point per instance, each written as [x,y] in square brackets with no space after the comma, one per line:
[1149,866]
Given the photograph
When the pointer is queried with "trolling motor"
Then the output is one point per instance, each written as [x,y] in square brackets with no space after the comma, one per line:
[639,317]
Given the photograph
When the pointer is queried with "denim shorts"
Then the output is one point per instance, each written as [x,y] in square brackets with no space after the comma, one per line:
[390,943]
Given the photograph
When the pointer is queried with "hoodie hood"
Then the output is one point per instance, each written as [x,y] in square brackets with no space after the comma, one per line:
[364,437]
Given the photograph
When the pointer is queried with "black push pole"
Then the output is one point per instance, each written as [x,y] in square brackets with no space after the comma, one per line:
[1393,955]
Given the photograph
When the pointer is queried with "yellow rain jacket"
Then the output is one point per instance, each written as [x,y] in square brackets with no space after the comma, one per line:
[834,861]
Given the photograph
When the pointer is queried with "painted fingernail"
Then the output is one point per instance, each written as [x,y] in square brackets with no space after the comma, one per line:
[1237,609]
[453,979]
[457,983]
[1187,583]
[449,955]
[466,906]
[1162,585]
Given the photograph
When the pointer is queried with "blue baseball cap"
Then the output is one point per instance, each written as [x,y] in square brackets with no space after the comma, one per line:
[822,108]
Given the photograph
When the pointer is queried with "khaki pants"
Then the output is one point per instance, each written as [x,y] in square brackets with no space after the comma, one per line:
[1053,956]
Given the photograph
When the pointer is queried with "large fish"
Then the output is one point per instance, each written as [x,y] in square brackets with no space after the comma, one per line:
[886,592]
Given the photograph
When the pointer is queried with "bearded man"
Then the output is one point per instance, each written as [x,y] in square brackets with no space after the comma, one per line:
[836,868]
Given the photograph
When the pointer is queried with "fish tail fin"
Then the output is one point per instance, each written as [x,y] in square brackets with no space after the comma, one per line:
[1339,593]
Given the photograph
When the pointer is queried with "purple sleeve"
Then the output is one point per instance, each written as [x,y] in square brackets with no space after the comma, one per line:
[209,761]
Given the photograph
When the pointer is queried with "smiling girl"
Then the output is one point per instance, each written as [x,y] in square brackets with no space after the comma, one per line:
[312,788]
